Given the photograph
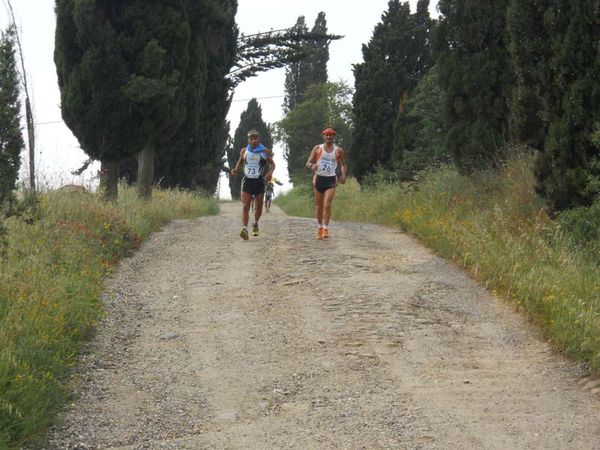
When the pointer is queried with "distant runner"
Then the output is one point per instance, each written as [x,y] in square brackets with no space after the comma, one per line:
[269,195]
[258,168]
[323,161]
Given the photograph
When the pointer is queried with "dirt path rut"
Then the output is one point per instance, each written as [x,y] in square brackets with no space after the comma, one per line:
[367,340]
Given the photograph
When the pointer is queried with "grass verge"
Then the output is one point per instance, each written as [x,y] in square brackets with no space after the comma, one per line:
[494,225]
[51,279]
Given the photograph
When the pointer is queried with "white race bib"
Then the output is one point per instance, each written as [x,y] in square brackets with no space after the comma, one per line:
[327,167]
[252,166]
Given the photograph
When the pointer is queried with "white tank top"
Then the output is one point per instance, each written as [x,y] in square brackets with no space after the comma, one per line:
[327,161]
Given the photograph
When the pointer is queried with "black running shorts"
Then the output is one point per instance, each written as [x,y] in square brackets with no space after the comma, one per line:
[323,183]
[253,186]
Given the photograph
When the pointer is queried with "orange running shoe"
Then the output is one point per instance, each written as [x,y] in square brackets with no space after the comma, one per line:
[325,233]
[319,233]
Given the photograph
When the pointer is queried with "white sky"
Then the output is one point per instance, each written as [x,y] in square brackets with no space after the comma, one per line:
[57,150]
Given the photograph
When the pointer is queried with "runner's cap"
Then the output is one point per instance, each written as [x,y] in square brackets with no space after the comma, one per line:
[253,133]
[329,130]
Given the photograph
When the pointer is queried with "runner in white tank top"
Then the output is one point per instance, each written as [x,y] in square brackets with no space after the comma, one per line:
[323,161]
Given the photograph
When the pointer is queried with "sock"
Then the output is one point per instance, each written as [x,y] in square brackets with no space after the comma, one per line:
[326,227]
[320,225]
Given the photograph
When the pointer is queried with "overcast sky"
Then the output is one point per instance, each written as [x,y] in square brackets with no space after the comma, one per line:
[58,151]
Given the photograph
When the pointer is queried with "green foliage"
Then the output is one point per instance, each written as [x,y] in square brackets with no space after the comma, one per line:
[50,285]
[582,226]
[426,132]
[220,38]
[297,73]
[395,59]
[311,67]
[530,53]
[268,50]
[569,95]
[11,137]
[323,105]
[299,201]
[250,119]
[123,71]
[475,72]
[318,52]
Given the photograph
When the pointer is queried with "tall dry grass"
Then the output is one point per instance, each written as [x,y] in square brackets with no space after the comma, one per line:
[51,279]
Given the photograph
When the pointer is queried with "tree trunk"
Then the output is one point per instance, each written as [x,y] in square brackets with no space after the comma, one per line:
[109,180]
[145,172]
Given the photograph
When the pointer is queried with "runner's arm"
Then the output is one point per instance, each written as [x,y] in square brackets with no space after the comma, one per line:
[238,165]
[269,174]
[343,165]
[311,162]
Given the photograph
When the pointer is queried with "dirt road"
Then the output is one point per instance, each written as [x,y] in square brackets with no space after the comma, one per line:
[367,340]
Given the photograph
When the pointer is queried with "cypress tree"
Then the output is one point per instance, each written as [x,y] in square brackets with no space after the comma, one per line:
[475,72]
[394,60]
[220,40]
[414,44]
[318,52]
[425,137]
[531,53]
[193,159]
[250,119]
[297,74]
[11,137]
[563,85]
[121,73]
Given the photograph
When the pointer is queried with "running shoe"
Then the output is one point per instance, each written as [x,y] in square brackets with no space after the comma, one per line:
[255,229]
[244,234]
[319,233]
[325,233]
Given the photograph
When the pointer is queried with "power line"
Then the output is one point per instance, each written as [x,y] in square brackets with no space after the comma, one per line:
[258,98]
[48,123]
[238,100]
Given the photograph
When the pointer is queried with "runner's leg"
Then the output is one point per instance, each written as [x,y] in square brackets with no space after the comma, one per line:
[246,199]
[327,202]
[258,199]
[319,207]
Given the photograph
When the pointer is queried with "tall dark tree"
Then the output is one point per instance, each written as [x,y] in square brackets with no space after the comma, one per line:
[311,68]
[250,119]
[121,73]
[324,105]
[268,50]
[426,134]
[474,69]
[394,60]
[11,137]
[193,158]
[531,56]
[558,67]
[415,43]
[220,38]
[297,74]
[318,52]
